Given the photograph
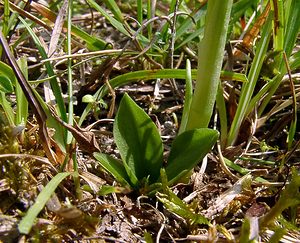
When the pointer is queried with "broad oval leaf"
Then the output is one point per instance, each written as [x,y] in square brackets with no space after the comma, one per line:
[188,149]
[138,141]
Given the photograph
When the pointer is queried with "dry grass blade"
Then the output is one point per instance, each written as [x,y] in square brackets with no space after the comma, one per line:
[58,26]
[252,33]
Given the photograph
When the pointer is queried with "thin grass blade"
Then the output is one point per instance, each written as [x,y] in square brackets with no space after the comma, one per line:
[58,27]
[22,103]
[187,97]
[28,220]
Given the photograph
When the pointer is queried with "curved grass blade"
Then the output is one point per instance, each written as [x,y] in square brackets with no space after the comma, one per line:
[5,84]
[6,71]
[164,73]
[114,8]
[28,220]
[150,75]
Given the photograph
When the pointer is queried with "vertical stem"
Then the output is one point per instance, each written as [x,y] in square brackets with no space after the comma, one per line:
[210,57]
[70,83]
[188,96]
[140,11]
[70,99]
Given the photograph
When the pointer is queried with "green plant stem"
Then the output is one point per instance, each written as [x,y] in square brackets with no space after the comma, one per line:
[140,11]
[22,103]
[5,18]
[70,138]
[187,98]
[149,16]
[220,102]
[70,78]
[211,51]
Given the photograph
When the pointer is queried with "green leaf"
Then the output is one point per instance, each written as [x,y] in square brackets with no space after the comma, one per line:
[9,112]
[114,8]
[88,99]
[7,78]
[22,103]
[188,149]
[28,220]
[5,84]
[107,189]
[114,167]
[7,71]
[245,231]
[177,206]
[139,142]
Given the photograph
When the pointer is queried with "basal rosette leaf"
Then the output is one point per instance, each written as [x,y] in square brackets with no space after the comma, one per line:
[188,149]
[138,141]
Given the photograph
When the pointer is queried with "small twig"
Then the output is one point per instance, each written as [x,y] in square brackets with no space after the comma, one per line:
[92,53]
[161,228]
[113,99]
